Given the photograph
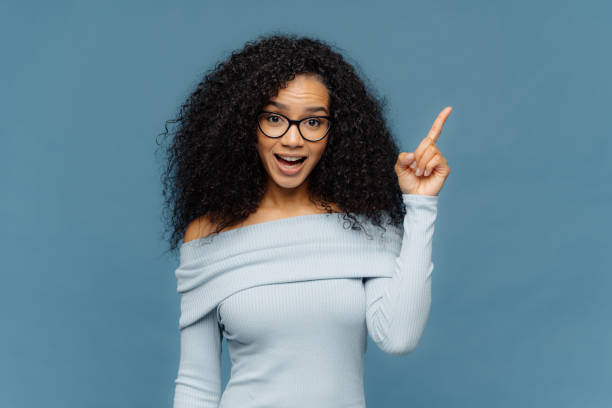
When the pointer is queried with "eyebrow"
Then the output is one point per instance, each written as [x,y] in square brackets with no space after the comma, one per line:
[309,109]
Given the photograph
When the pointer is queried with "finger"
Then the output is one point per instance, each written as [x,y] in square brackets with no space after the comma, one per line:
[405,159]
[421,162]
[432,164]
[432,136]
[424,147]
[436,128]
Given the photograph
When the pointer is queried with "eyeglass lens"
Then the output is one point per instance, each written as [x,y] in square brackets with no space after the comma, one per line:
[312,128]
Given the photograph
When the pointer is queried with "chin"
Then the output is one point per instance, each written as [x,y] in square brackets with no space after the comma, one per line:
[287,183]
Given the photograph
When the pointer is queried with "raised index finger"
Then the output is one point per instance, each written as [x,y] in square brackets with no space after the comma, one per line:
[438,123]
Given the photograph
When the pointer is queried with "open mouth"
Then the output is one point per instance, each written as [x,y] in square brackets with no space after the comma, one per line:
[288,162]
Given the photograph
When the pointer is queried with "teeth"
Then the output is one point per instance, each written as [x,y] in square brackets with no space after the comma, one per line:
[290,158]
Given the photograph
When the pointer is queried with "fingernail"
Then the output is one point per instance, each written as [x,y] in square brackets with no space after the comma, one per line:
[426,173]
[418,172]
[413,165]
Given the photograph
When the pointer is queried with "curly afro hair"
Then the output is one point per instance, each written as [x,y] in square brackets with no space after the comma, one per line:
[213,167]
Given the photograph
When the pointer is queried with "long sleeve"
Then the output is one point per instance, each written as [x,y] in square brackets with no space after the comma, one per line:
[198,383]
[398,307]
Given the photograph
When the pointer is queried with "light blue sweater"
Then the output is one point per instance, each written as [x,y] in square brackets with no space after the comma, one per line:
[294,298]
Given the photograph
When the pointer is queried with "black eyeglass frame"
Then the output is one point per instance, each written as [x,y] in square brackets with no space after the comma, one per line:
[296,122]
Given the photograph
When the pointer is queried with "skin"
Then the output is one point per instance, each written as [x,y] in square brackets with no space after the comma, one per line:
[288,195]
[425,170]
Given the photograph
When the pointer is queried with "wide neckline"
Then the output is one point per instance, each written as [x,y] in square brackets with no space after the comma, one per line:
[257,226]
[252,230]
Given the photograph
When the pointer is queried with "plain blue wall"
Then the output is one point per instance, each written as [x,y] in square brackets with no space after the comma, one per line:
[521,308]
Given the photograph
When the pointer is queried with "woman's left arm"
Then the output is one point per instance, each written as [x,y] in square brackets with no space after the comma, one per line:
[398,307]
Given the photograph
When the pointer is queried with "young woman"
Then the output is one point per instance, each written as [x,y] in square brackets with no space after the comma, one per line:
[303,229]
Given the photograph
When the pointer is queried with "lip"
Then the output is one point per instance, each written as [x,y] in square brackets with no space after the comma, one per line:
[290,155]
[288,170]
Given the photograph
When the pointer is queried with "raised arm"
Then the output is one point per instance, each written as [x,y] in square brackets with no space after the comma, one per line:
[398,307]
[198,383]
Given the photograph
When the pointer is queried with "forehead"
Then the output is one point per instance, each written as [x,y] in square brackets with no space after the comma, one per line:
[302,91]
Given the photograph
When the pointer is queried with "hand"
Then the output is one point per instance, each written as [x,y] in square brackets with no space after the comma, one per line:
[424,171]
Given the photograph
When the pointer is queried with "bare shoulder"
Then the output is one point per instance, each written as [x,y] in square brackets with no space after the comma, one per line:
[202,227]
[199,228]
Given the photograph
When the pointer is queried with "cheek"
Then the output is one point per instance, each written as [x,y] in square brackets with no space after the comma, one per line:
[318,153]
[264,144]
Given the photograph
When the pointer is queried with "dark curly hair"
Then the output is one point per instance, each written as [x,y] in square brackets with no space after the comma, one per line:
[213,167]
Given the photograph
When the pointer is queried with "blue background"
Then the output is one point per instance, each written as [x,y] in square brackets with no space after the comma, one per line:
[521,307]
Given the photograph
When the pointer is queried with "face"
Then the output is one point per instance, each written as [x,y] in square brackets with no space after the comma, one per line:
[305,96]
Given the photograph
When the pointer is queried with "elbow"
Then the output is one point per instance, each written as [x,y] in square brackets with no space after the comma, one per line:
[398,339]
[400,342]
[400,348]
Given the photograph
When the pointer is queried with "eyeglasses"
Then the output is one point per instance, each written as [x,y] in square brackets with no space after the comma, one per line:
[275,125]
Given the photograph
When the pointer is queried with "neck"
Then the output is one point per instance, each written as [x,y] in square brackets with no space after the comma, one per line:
[286,199]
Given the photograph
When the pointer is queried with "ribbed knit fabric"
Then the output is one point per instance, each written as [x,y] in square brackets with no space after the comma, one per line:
[295,299]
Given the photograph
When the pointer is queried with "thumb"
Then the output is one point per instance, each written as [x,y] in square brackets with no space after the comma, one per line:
[405,158]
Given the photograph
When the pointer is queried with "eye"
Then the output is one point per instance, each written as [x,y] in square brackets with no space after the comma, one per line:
[313,122]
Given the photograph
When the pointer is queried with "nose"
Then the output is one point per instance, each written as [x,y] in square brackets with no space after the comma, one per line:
[292,137]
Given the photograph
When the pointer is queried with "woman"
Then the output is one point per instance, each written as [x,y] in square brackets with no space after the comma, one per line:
[276,147]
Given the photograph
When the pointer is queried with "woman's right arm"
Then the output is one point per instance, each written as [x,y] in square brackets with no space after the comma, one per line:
[198,383]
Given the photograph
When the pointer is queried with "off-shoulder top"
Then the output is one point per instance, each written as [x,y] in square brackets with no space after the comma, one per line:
[295,299]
